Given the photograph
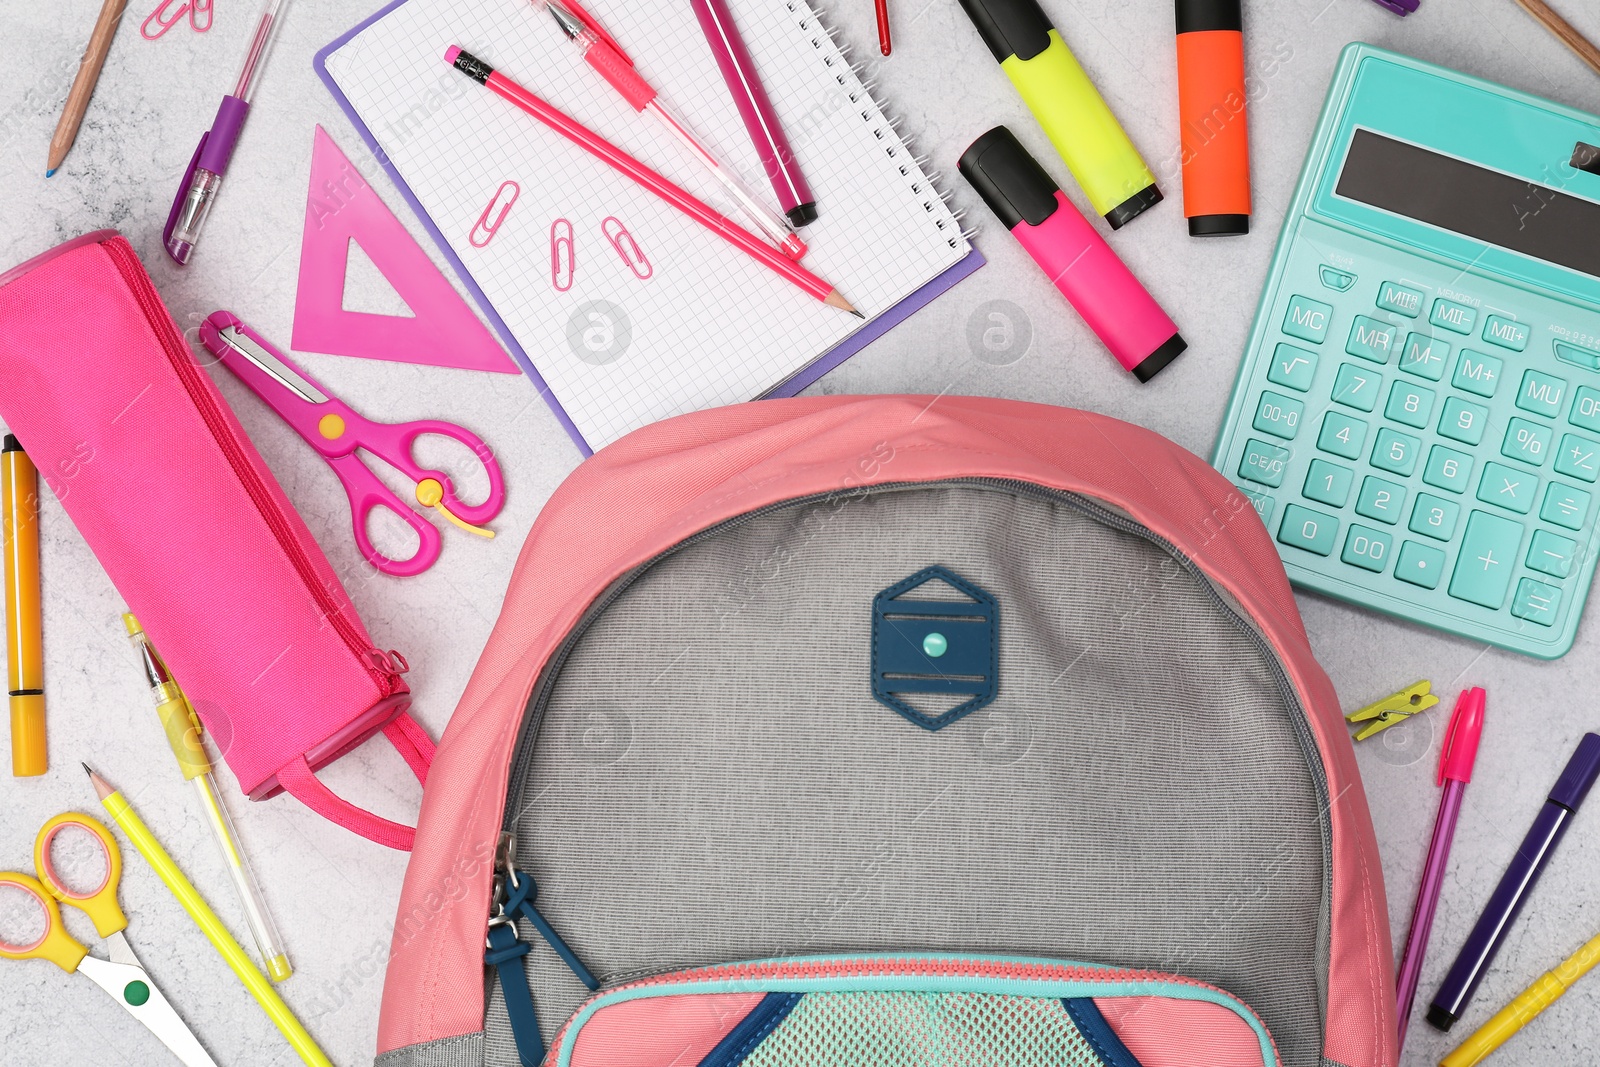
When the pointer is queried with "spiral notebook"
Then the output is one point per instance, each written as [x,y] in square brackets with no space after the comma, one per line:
[621,309]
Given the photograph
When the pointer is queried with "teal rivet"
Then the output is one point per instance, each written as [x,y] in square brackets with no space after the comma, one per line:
[136,992]
[935,645]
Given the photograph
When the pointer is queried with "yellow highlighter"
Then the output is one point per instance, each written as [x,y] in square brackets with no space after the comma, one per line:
[19,499]
[1522,1011]
[1074,115]
[187,741]
[189,897]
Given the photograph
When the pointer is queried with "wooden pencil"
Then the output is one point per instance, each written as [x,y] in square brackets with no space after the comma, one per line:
[1580,45]
[94,58]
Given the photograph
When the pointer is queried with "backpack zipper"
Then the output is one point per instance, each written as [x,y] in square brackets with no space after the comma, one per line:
[833,968]
[133,273]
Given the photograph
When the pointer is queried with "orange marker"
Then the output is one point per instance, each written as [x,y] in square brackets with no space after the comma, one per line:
[19,499]
[1211,113]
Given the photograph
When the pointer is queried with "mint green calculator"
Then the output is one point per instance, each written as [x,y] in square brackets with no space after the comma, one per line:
[1417,416]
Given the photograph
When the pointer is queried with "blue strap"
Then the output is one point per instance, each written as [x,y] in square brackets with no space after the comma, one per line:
[753,1029]
[1092,1025]
[505,956]
[519,900]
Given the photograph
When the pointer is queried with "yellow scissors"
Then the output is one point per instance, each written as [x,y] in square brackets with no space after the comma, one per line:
[121,976]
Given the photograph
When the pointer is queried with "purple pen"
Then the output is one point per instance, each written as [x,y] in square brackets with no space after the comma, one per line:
[203,179]
[1399,7]
[1522,874]
[1455,771]
[744,82]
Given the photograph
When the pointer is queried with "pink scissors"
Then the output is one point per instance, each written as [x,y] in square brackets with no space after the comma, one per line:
[339,434]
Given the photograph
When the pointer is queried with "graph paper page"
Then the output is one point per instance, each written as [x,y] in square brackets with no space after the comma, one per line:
[631,310]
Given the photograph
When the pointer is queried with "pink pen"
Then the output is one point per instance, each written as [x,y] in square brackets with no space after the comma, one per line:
[1097,283]
[1455,771]
[603,53]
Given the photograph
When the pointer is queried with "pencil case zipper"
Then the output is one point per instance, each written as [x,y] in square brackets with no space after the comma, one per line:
[377,664]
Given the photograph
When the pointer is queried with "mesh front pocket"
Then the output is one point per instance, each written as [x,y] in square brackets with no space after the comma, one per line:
[914,1029]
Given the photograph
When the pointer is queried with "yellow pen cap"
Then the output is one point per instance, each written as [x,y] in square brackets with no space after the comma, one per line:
[178,718]
[19,500]
[1072,112]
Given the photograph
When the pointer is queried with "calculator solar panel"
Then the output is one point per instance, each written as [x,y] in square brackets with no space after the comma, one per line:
[1417,414]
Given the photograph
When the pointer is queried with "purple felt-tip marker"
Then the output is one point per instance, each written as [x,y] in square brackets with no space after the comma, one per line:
[744,82]
[1399,7]
[202,181]
[1455,771]
[1500,914]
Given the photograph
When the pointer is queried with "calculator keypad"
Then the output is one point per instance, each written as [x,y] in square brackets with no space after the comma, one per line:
[1393,465]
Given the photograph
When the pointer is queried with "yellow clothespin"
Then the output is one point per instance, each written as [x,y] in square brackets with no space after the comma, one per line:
[1393,710]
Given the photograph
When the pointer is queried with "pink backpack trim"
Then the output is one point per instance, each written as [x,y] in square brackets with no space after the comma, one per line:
[655,487]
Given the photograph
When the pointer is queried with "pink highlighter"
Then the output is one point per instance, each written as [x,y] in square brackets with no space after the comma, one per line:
[1088,273]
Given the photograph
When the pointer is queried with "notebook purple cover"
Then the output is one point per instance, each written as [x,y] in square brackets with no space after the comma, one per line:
[805,376]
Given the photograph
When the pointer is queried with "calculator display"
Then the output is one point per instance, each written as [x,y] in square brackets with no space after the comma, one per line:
[1486,205]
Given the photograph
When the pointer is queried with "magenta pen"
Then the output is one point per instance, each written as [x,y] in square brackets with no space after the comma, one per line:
[202,181]
[1089,274]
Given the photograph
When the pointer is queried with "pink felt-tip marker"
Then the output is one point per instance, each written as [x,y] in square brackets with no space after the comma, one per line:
[1455,771]
[601,51]
[1120,311]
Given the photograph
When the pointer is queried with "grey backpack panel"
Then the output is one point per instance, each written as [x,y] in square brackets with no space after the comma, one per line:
[706,777]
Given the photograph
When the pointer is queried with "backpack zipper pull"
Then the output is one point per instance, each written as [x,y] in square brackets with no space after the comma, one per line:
[504,953]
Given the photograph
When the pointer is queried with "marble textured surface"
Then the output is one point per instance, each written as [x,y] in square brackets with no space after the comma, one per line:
[334,895]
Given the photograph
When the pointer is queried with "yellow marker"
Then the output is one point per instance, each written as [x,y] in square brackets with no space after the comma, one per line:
[186,739]
[1520,1012]
[1074,115]
[235,957]
[19,498]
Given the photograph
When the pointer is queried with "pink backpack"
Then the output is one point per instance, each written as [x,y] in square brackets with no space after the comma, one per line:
[890,731]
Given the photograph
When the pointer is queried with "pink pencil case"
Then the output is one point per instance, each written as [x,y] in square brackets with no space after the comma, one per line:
[156,473]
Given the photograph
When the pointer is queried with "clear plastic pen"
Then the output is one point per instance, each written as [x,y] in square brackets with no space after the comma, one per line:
[188,746]
[607,58]
[203,181]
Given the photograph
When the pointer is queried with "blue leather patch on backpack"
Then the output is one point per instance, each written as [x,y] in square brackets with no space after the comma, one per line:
[939,648]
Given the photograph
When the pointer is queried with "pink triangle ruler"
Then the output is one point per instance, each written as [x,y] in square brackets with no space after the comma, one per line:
[442,331]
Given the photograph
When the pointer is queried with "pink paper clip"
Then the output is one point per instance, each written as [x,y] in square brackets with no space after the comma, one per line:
[200,15]
[563,268]
[633,256]
[168,15]
[485,229]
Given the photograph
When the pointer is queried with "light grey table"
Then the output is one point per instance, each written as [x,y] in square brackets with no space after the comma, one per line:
[334,894]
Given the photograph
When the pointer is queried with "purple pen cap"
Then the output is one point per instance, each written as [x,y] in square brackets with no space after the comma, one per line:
[1399,7]
[1579,777]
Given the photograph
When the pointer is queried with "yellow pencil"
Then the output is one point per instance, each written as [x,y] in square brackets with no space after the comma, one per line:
[235,957]
[1520,1012]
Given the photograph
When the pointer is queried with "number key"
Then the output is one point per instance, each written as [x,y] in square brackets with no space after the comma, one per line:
[1358,388]
[1342,435]
[1448,469]
[1328,483]
[1381,500]
[1395,452]
[1434,517]
[1367,548]
[1463,421]
[1307,529]
[1409,405]
[1526,441]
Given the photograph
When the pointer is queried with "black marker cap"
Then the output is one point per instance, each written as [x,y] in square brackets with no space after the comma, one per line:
[12,445]
[1010,27]
[1218,225]
[1197,15]
[1010,181]
[802,215]
[1170,349]
[1134,206]
[1440,1019]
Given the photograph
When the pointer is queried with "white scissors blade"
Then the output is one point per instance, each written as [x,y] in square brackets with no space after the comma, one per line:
[148,1006]
[281,372]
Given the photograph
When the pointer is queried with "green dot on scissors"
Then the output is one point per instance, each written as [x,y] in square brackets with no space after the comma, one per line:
[136,992]
[935,645]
